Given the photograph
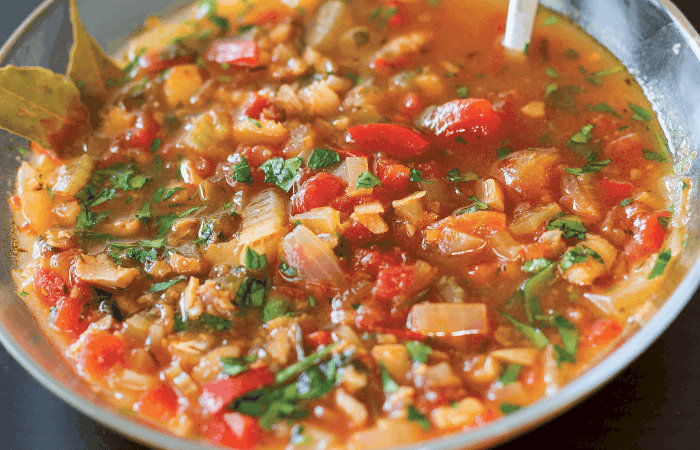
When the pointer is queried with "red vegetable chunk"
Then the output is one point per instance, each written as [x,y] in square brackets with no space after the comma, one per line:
[396,140]
[100,352]
[233,52]
[219,393]
[470,118]
[159,403]
[319,190]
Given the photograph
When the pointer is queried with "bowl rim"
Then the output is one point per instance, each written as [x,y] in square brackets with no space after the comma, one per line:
[501,431]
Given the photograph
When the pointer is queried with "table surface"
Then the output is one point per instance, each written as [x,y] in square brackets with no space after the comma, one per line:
[654,403]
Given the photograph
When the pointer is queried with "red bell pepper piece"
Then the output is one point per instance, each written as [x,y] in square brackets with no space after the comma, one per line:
[615,190]
[396,140]
[648,238]
[100,352]
[602,332]
[470,119]
[219,393]
[159,403]
[233,52]
[319,190]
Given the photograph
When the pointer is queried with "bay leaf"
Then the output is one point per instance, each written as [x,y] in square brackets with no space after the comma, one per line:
[89,66]
[42,106]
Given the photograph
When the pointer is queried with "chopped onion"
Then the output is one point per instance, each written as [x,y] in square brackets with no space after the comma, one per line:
[534,220]
[452,242]
[354,166]
[311,257]
[505,246]
[525,356]
[387,433]
[410,208]
[449,319]
[511,393]
[264,216]
[319,220]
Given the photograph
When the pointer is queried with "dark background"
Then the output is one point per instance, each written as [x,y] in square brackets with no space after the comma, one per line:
[653,404]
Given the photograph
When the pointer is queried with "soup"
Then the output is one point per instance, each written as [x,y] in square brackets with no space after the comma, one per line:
[355,224]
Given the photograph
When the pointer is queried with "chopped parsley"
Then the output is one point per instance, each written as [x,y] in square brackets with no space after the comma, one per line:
[206,234]
[663,222]
[321,157]
[312,301]
[503,151]
[455,176]
[536,265]
[574,256]
[461,140]
[234,366]
[462,91]
[204,320]
[639,113]
[275,307]
[207,8]
[254,260]
[281,172]
[604,107]
[286,268]
[477,206]
[390,386]
[569,337]
[571,226]
[551,20]
[534,335]
[626,202]
[508,408]
[382,15]
[551,73]
[582,136]
[419,352]
[163,285]
[22,150]
[367,180]
[660,265]
[416,416]
[590,167]
[654,156]
[417,176]
[155,145]
[241,172]
[510,374]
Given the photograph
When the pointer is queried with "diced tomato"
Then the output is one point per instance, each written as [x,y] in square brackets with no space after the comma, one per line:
[69,309]
[396,140]
[625,150]
[615,190]
[371,260]
[143,133]
[100,352]
[262,108]
[219,393]
[396,19]
[216,430]
[483,418]
[410,105]
[395,177]
[158,403]
[346,203]
[605,126]
[49,285]
[245,429]
[392,281]
[471,119]
[205,167]
[319,190]
[15,202]
[357,234]
[233,52]
[155,61]
[602,332]
[319,338]
[648,238]
[44,151]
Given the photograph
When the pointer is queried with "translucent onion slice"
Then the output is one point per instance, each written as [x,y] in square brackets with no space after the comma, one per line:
[311,257]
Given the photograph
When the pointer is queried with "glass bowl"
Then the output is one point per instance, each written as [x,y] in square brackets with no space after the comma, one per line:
[651,37]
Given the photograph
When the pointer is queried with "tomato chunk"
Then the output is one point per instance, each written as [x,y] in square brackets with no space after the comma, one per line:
[100,352]
[143,133]
[615,190]
[410,105]
[470,118]
[319,338]
[67,316]
[245,429]
[396,140]
[319,190]
[233,52]
[49,285]
[395,177]
[649,236]
[392,281]
[219,393]
[159,403]
[602,332]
